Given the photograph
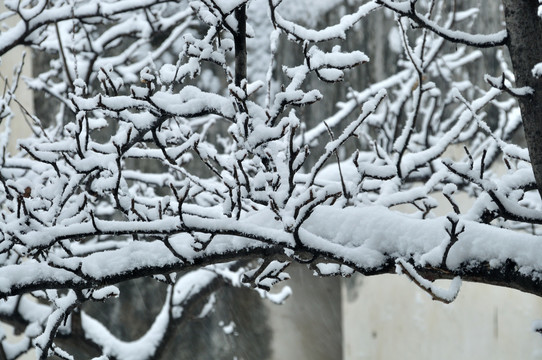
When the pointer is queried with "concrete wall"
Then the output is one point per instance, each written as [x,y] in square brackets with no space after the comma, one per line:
[8,63]
[390,318]
[309,325]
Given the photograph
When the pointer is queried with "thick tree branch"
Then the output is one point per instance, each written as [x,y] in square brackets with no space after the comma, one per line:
[523,23]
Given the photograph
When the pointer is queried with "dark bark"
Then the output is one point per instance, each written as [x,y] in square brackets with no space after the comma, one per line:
[524,42]
[507,274]
[240,40]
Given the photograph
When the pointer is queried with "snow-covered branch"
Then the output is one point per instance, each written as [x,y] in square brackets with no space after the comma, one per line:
[164,154]
[408,9]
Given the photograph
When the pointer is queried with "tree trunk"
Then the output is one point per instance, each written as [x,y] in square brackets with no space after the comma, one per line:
[240,40]
[524,42]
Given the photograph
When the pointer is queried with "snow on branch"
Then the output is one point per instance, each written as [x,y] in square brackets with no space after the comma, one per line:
[408,9]
[301,33]
[439,294]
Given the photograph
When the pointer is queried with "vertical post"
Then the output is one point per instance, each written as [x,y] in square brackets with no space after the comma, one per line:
[240,40]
